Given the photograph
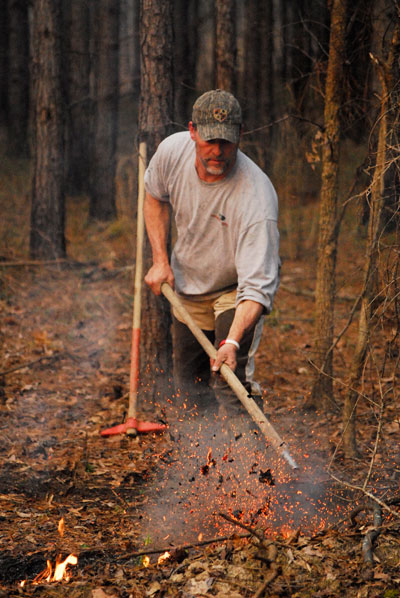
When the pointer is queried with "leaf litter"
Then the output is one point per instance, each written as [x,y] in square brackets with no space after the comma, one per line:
[66,334]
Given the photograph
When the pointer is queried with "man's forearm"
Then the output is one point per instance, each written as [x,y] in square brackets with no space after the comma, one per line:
[157,219]
[247,315]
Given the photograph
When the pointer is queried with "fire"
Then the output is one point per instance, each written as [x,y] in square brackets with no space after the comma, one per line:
[164,557]
[60,572]
[61,526]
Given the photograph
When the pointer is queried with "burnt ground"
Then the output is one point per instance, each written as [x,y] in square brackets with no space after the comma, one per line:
[65,346]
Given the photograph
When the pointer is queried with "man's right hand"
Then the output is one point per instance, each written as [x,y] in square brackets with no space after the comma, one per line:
[157,274]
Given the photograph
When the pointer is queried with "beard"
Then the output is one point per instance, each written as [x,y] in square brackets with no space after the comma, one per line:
[217,170]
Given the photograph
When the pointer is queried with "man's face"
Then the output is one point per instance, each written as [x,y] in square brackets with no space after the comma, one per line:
[214,158]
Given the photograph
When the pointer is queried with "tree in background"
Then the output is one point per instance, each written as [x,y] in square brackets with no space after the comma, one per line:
[388,112]
[155,123]
[256,81]
[225,45]
[185,19]
[328,229]
[47,214]
[77,60]
[104,145]
[3,62]
[18,76]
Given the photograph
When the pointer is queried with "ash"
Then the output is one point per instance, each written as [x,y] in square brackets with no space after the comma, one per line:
[216,466]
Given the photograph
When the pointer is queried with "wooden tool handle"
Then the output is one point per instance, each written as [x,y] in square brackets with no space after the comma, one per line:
[137,294]
[249,404]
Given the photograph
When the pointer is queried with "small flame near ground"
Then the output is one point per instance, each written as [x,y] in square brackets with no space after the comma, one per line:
[163,558]
[60,571]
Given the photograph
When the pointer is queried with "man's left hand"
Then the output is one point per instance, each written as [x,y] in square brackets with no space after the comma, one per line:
[225,354]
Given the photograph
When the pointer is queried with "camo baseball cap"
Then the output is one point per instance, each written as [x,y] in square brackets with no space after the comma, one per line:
[217,115]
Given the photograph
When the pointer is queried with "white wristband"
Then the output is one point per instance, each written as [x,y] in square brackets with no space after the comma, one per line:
[231,341]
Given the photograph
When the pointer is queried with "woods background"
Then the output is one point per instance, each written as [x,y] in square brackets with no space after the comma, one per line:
[83,81]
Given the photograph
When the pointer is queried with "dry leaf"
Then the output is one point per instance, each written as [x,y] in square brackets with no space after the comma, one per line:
[154,588]
[99,593]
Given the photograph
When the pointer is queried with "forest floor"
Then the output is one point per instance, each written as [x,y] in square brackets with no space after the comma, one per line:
[65,347]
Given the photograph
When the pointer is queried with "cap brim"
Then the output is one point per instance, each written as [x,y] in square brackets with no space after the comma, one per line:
[220,131]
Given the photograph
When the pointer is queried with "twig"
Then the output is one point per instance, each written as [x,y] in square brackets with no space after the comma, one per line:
[270,577]
[377,436]
[367,493]
[371,536]
[248,528]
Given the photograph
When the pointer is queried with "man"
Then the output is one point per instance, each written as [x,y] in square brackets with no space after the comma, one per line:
[225,262]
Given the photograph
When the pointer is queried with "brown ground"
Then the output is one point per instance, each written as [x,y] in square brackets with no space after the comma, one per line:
[65,331]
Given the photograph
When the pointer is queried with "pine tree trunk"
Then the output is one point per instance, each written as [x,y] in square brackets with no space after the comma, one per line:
[266,103]
[185,57]
[251,80]
[3,62]
[155,118]
[47,216]
[327,243]
[18,76]
[371,258]
[79,103]
[225,46]
[103,155]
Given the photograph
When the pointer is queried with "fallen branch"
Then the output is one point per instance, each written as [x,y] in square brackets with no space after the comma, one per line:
[33,263]
[311,294]
[370,537]
[133,555]
[27,364]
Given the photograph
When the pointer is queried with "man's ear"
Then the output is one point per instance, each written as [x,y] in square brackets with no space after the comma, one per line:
[192,130]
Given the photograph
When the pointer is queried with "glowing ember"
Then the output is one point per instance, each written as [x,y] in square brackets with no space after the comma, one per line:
[164,557]
[210,462]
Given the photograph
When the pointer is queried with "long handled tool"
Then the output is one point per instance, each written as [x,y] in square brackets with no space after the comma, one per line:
[255,412]
[132,426]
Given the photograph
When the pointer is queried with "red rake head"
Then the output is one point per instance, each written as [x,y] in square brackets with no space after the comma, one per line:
[135,425]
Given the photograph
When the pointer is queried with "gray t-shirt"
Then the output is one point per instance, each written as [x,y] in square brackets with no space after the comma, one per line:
[227,234]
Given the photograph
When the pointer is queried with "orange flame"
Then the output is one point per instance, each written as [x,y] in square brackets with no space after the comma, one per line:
[60,572]
[61,526]
[164,557]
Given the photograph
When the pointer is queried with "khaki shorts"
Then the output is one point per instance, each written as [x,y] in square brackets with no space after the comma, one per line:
[207,308]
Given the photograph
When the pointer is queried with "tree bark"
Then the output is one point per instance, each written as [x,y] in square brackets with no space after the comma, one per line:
[266,106]
[3,62]
[327,243]
[251,79]
[18,76]
[103,155]
[185,57]
[225,46]
[47,215]
[377,203]
[78,92]
[155,123]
